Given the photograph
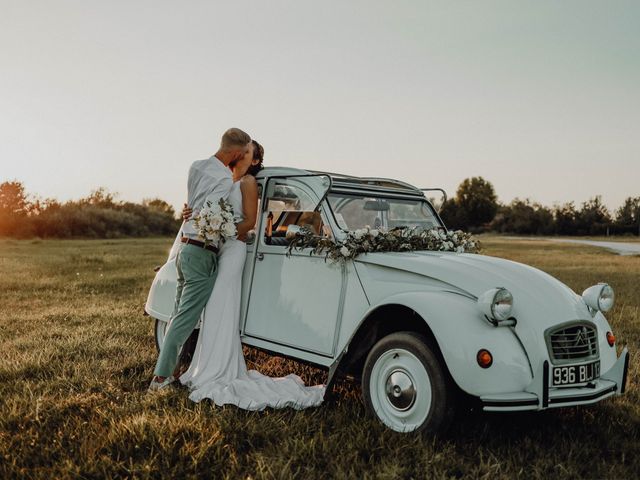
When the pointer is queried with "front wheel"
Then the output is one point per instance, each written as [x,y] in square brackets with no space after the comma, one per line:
[405,386]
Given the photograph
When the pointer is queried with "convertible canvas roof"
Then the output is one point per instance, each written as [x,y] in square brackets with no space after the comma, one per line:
[343,181]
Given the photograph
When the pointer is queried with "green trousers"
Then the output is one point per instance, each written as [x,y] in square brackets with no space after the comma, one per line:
[197,271]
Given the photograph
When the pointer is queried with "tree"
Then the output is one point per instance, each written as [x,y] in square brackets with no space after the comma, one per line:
[593,218]
[14,206]
[452,215]
[524,217]
[159,205]
[628,216]
[100,197]
[565,218]
[13,199]
[477,199]
[97,216]
[629,212]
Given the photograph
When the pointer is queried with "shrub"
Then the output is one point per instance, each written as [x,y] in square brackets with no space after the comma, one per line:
[99,215]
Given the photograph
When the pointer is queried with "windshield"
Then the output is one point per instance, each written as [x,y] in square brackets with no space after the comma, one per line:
[353,211]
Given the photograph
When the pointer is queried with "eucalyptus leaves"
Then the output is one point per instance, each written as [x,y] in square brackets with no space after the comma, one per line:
[368,240]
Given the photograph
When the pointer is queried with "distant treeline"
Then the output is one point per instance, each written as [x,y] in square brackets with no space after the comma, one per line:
[475,207]
[99,215]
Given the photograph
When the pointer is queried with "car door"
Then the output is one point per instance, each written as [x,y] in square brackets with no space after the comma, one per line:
[249,261]
[294,300]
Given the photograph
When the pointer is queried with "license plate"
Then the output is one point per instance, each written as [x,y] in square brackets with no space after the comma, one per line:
[572,374]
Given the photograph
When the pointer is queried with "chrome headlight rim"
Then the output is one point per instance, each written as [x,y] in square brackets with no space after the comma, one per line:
[496,304]
[599,297]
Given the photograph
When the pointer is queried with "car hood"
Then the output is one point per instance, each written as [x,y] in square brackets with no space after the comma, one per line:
[540,300]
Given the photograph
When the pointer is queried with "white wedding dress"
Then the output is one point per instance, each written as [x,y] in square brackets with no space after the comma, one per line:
[218,370]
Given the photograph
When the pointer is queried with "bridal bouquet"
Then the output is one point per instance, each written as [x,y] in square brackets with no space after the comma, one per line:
[368,240]
[214,223]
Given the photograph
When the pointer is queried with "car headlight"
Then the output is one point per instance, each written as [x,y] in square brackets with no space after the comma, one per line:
[599,297]
[496,304]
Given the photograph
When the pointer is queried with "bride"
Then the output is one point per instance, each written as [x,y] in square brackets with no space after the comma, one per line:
[218,370]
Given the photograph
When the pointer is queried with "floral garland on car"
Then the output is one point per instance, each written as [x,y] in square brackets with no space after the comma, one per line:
[369,240]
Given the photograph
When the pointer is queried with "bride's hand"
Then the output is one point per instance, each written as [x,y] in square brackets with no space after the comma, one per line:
[186,212]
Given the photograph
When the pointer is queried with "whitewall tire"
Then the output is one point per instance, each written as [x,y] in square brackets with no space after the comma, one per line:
[405,386]
[160,329]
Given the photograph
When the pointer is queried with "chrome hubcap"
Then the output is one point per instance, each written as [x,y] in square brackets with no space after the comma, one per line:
[400,390]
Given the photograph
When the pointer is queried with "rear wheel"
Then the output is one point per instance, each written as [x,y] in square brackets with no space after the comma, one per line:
[405,386]
[160,329]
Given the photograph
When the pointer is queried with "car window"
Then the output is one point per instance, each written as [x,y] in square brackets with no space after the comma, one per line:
[411,213]
[289,203]
[353,211]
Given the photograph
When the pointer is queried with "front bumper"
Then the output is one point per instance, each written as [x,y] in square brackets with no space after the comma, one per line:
[540,396]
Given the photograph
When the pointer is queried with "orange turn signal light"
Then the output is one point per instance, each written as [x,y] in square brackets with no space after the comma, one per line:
[611,339]
[484,357]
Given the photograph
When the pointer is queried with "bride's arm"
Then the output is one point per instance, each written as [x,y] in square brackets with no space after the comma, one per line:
[249,189]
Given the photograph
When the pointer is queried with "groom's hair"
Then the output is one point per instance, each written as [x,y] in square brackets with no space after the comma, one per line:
[234,137]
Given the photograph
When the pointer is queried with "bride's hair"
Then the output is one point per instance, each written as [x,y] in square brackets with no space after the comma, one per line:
[258,154]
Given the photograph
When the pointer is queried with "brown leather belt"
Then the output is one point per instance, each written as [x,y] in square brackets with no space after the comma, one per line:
[197,243]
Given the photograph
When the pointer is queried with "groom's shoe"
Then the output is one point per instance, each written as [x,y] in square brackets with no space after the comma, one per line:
[157,385]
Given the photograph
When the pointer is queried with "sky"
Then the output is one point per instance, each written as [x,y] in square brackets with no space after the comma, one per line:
[541,98]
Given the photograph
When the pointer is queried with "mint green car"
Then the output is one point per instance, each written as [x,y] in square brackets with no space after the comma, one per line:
[420,330]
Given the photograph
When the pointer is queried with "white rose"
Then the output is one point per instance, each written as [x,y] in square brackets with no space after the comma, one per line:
[229,230]
[359,233]
[215,223]
[374,233]
[345,252]
[460,249]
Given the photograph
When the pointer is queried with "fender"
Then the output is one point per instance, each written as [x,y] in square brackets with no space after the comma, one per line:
[461,331]
[162,294]
[608,354]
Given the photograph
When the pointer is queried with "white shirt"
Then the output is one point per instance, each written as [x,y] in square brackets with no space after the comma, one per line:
[209,181]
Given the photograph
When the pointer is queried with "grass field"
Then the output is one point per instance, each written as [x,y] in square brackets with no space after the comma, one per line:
[76,356]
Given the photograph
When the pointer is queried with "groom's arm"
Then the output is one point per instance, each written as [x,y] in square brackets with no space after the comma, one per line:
[220,190]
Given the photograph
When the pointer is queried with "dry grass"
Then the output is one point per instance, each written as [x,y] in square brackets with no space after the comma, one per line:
[76,355]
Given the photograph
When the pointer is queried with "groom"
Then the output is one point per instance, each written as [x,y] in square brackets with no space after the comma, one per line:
[197,263]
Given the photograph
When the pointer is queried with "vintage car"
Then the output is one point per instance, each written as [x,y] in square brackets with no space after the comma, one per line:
[419,329]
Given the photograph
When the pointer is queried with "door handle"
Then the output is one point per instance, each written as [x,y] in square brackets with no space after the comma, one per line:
[260,256]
